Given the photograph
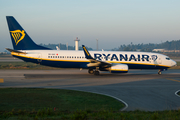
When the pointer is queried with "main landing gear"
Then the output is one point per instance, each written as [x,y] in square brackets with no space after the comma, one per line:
[95,72]
[90,71]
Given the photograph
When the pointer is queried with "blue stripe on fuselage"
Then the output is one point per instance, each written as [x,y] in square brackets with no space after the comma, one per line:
[70,64]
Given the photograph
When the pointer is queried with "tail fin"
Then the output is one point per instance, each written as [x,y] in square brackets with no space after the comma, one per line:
[20,39]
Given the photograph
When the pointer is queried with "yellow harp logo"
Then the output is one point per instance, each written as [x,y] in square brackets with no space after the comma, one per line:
[17,35]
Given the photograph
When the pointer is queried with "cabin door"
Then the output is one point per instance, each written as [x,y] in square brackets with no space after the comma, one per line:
[159,61]
[39,59]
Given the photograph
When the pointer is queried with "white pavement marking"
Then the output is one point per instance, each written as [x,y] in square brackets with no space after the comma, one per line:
[176,93]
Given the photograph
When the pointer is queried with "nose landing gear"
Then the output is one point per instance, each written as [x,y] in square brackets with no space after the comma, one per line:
[159,72]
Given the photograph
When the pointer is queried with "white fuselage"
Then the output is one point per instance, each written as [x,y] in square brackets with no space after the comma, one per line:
[76,59]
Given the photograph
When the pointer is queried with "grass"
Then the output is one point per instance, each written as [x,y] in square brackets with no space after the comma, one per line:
[23,65]
[34,102]
[48,114]
[49,104]
[6,55]
[63,100]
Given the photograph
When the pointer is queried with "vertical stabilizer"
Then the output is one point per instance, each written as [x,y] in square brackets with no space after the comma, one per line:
[20,39]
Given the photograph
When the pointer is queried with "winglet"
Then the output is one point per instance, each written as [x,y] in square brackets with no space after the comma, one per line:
[86,52]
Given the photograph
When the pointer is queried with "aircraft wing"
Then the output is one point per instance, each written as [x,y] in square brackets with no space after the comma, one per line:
[93,61]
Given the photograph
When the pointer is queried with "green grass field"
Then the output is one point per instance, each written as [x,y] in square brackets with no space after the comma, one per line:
[6,56]
[55,102]
[49,104]
[35,99]
[23,65]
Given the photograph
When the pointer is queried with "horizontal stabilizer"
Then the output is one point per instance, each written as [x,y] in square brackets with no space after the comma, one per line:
[16,51]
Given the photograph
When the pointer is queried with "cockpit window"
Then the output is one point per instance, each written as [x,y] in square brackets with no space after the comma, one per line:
[167,58]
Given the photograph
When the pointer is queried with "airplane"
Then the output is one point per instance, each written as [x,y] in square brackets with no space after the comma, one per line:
[113,61]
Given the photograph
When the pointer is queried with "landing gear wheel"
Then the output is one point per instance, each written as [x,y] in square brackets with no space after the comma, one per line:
[96,72]
[159,72]
[90,71]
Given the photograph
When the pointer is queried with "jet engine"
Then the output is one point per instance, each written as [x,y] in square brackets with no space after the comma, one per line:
[119,68]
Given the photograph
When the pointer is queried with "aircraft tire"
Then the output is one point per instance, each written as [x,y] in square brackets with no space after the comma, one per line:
[159,73]
[96,72]
[90,71]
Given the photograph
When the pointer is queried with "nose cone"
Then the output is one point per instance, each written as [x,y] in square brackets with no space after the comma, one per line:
[173,63]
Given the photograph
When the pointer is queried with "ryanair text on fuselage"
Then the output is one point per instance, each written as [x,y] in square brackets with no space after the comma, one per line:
[124,57]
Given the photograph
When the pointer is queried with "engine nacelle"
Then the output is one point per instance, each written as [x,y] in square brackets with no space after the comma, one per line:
[119,68]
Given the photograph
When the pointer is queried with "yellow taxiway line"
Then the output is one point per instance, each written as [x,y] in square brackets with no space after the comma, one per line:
[173,80]
[1,80]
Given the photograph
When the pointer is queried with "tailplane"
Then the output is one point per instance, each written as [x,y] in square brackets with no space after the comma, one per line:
[20,39]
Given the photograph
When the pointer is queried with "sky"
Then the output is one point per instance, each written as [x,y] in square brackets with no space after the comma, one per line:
[112,22]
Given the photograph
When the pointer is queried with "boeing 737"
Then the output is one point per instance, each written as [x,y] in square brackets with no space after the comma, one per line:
[113,61]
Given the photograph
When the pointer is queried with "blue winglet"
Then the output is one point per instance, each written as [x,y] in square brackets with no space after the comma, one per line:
[86,52]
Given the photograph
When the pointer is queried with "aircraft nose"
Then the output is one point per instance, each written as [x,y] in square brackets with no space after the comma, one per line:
[173,63]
